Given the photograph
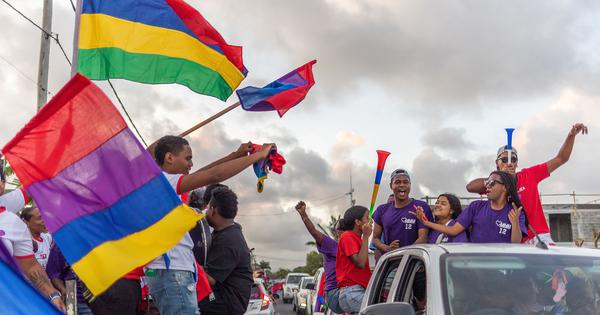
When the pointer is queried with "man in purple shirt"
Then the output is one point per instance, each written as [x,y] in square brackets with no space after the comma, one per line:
[328,248]
[397,219]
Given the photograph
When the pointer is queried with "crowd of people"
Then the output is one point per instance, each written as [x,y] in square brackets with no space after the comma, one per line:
[512,213]
[216,248]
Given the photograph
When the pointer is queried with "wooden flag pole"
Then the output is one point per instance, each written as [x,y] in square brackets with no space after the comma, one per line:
[208,120]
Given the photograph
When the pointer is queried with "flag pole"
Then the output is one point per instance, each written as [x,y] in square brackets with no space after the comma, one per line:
[208,120]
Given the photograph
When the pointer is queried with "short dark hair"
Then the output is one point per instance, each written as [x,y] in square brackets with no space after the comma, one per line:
[26,213]
[208,192]
[197,199]
[166,144]
[224,200]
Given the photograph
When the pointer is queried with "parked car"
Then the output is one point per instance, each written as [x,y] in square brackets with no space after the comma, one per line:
[260,300]
[313,294]
[299,301]
[477,279]
[291,283]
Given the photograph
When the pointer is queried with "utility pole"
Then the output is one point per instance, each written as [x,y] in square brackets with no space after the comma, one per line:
[42,95]
[351,192]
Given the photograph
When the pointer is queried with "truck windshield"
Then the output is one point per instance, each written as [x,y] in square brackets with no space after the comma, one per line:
[521,284]
[294,279]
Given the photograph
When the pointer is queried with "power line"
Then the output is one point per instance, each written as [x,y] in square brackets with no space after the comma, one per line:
[54,37]
[126,113]
[281,259]
[23,73]
[73,5]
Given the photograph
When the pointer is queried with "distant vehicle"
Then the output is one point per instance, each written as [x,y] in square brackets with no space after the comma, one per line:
[299,301]
[291,283]
[314,294]
[260,300]
[477,279]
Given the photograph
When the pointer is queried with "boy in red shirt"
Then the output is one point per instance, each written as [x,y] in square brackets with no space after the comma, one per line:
[527,183]
[352,262]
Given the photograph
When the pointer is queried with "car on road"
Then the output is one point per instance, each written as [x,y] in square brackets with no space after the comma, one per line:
[300,298]
[478,279]
[313,294]
[260,301]
[291,284]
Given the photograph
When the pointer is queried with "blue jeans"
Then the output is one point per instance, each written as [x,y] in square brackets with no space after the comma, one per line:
[351,298]
[332,298]
[173,291]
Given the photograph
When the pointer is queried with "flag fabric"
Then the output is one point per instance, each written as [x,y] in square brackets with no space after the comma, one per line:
[281,94]
[203,288]
[105,201]
[273,162]
[156,41]
[16,294]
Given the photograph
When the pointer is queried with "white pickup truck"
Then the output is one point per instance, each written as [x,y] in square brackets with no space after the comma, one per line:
[485,279]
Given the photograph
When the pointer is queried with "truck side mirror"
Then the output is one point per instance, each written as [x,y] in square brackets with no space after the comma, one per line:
[398,308]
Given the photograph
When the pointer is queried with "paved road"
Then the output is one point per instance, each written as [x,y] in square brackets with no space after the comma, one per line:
[284,309]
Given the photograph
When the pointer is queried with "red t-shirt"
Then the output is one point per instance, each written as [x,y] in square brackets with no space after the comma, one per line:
[527,186]
[347,273]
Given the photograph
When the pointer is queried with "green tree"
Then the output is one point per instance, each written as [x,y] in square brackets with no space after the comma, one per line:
[329,229]
[264,265]
[314,261]
[281,273]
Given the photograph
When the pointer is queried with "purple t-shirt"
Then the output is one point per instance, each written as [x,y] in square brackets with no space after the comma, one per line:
[58,268]
[399,224]
[434,235]
[489,225]
[328,248]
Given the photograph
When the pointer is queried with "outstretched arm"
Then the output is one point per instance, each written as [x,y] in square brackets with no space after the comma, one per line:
[243,150]
[39,279]
[453,230]
[565,150]
[316,234]
[222,171]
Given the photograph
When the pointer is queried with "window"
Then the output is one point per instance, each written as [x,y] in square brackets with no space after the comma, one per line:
[255,292]
[383,290]
[560,227]
[413,285]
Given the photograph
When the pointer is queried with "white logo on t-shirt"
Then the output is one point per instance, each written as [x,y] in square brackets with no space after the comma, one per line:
[504,227]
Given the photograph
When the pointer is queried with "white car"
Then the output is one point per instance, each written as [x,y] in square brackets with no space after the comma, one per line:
[291,284]
[300,298]
[260,300]
[478,279]
[314,294]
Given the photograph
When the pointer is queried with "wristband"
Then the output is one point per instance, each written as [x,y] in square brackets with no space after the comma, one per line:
[54,295]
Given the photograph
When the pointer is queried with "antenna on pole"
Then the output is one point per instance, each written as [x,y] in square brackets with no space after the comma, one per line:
[351,192]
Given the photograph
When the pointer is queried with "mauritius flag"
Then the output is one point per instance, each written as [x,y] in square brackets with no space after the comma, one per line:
[281,94]
[102,196]
[156,41]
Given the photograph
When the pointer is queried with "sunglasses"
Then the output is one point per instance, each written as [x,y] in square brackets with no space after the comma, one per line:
[492,182]
[512,159]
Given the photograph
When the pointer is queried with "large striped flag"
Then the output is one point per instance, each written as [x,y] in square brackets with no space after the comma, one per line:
[156,41]
[104,199]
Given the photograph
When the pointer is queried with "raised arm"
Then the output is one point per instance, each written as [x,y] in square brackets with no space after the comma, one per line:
[222,171]
[476,186]
[360,259]
[316,234]
[567,148]
[243,150]
[513,216]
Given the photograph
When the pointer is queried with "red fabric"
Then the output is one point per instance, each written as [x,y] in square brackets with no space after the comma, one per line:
[206,32]
[25,257]
[74,105]
[277,161]
[347,273]
[277,286]
[135,274]
[283,101]
[203,288]
[527,186]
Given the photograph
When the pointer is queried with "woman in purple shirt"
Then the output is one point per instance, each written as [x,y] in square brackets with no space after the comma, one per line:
[499,219]
[447,209]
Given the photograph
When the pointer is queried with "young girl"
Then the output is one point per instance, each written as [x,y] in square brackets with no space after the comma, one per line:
[352,260]
[447,209]
[497,220]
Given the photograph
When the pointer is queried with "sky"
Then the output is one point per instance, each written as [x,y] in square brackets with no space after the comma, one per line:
[434,83]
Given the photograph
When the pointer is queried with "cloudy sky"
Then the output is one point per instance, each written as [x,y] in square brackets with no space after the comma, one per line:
[435,83]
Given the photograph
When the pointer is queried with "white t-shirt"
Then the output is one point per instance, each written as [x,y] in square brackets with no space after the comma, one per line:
[14,200]
[15,235]
[44,243]
[181,256]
